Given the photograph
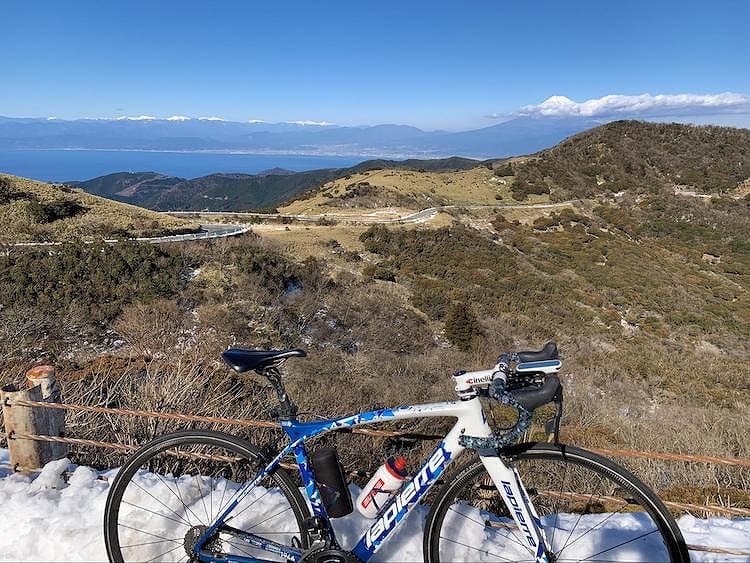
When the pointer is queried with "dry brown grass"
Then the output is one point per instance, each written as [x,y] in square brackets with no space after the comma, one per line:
[102,218]
[478,186]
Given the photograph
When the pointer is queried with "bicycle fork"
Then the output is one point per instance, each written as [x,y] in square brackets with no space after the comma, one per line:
[508,483]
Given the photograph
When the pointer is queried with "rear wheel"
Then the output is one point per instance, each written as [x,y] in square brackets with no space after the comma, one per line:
[171,490]
[590,508]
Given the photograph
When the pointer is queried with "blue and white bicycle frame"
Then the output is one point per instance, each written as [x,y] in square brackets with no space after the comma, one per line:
[470,421]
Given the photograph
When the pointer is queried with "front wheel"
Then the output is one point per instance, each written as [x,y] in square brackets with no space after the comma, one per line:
[171,490]
[590,509]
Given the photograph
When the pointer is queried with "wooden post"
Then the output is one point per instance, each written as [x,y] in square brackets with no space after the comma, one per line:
[54,425]
[27,454]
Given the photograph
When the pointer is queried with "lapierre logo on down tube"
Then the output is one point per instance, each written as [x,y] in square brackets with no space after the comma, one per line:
[519,513]
[411,491]
[510,495]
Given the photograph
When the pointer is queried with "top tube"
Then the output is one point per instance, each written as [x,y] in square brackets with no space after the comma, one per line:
[304,430]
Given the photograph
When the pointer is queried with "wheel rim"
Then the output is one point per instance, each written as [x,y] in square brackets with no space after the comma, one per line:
[167,499]
[587,515]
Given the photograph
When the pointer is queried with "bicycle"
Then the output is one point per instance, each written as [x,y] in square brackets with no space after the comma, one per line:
[208,496]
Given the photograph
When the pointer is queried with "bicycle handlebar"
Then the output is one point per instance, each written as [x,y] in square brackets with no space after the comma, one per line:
[524,399]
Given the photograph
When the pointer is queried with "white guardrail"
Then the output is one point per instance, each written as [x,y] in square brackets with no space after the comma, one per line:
[221,232]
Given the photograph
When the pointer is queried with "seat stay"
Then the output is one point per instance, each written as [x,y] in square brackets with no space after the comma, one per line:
[240,495]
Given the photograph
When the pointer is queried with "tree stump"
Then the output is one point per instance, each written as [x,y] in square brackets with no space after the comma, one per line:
[27,454]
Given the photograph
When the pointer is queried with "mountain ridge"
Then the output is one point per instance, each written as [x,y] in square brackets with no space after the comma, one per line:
[234,191]
[517,135]
[622,155]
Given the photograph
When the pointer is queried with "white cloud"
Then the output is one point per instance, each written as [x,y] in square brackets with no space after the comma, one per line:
[257,121]
[212,118]
[616,105]
[179,118]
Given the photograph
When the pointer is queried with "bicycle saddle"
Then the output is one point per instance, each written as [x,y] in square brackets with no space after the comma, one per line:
[549,352]
[242,360]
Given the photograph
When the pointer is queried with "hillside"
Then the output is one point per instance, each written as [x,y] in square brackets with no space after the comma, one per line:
[34,211]
[237,192]
[639,157]
[646,291]
[636,157]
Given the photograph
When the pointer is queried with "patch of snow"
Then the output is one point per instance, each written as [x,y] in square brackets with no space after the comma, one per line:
[691,193]
[628,327]
[310,122]
[135,118]
[48,519]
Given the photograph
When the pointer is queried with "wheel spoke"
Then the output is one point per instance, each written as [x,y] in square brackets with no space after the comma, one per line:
[178,540]
[162,538]
[180,522]
[620,544]
[479,550]
[557,512]
[162,503]
[203,498]
[598,525]
[159,557]
[269,518]
[185,519]
[232,516]
[600,512]
[514,539]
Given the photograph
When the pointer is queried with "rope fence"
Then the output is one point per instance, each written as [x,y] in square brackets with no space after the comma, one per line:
[636,454]
[210,419]
[20,431]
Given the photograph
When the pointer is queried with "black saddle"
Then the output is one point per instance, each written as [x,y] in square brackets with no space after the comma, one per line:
[549,352]
[242,360]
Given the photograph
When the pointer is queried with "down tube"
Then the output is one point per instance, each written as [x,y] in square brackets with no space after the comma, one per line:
[399,506]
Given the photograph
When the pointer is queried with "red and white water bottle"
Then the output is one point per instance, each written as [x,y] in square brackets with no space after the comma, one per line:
[385,483]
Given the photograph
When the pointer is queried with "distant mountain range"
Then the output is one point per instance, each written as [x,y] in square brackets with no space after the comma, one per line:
[520,135]
[621,156]
[238,192]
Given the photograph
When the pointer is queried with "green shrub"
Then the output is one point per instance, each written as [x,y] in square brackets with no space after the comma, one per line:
[504,170]
[379,272]
[462,327]
[97,278]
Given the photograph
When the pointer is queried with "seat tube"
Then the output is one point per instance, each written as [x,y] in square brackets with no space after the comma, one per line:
[514,494]
[308,481]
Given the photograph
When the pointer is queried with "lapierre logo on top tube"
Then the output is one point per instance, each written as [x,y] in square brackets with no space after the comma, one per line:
[411,491]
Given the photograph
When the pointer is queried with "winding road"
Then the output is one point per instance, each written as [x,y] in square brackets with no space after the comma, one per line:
[373,218]
[222,230]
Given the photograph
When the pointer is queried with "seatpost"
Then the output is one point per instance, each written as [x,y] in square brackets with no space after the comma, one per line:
[287,409]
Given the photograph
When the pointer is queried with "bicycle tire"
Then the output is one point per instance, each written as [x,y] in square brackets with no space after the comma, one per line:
[527,456]
[186,451]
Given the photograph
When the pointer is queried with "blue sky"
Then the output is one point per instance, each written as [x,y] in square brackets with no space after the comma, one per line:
[431,64]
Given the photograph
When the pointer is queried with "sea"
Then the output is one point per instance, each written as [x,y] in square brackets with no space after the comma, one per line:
[58,165]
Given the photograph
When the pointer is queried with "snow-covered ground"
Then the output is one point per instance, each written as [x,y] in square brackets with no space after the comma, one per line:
[50,518]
